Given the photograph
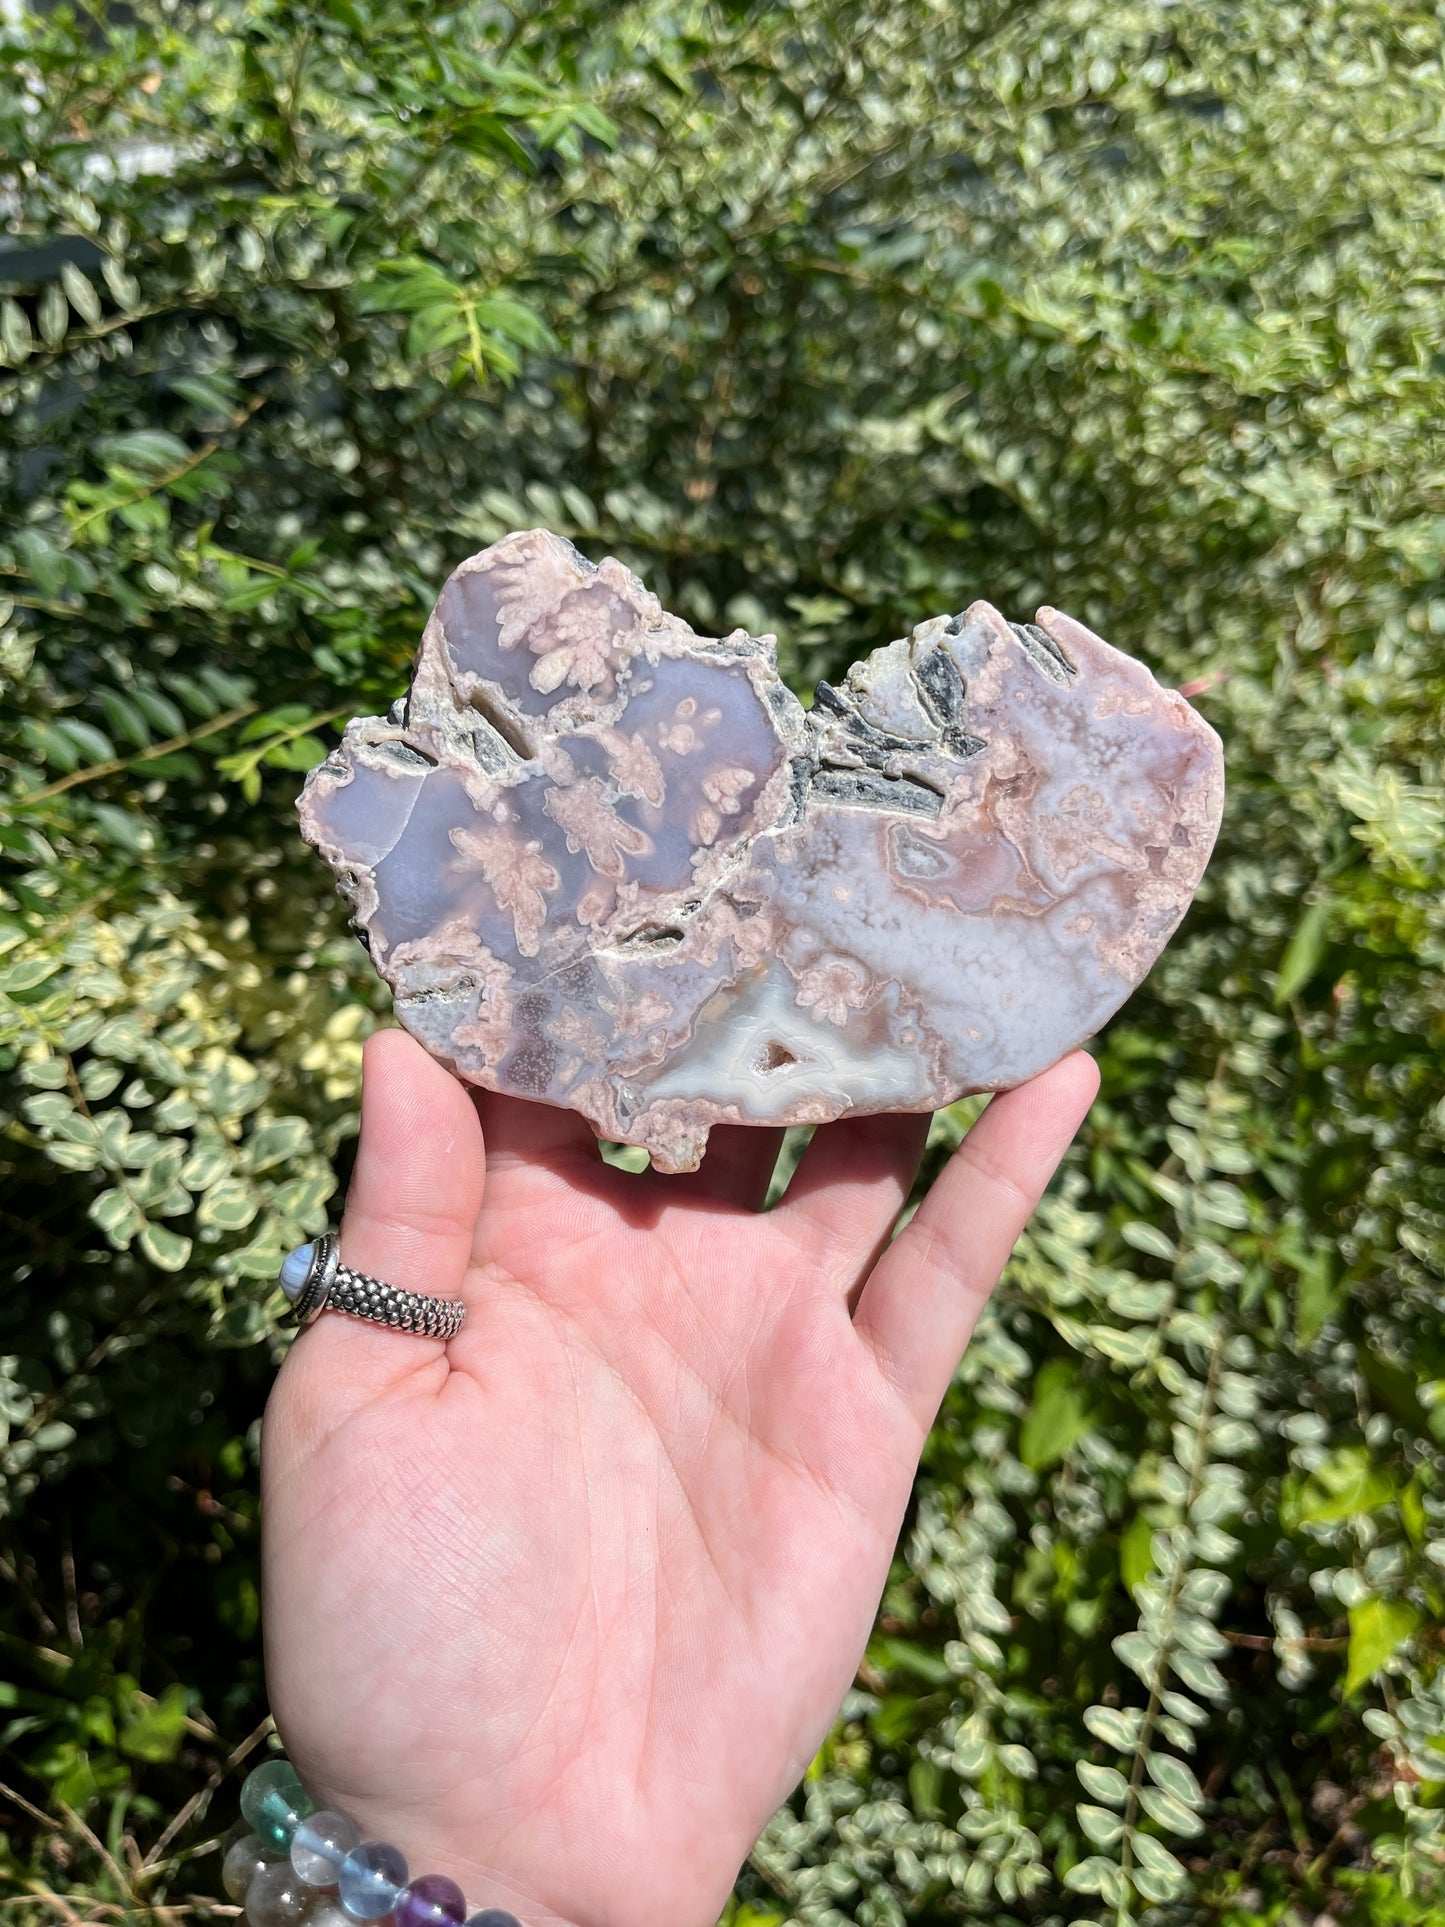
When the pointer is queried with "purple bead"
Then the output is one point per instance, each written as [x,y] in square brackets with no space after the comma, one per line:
[431,1901]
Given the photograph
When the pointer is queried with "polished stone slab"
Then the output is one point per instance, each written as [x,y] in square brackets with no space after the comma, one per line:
[606,863]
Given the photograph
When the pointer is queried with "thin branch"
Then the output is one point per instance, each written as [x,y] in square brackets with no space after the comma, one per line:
[45,1819]
[1306,1642]
[192,461]
[201,1798]
[122,1879]
[117,763]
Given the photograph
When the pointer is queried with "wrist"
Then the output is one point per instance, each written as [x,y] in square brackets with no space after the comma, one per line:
[299,1859]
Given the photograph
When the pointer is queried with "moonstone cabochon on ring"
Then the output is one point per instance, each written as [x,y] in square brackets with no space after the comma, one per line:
[606,863]
[296,1270]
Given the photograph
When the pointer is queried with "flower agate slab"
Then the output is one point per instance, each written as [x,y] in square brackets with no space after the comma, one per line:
[607,863]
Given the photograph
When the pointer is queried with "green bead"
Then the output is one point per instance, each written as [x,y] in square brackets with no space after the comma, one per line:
[275,1802]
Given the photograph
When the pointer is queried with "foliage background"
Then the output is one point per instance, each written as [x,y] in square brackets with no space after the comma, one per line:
[825,316]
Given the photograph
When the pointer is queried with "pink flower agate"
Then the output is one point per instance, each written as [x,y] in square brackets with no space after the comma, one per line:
[606,863]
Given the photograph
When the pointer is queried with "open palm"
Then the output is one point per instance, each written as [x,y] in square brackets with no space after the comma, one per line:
[565,1606]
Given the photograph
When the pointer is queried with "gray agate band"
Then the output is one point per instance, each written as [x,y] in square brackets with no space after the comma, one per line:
[315,1280]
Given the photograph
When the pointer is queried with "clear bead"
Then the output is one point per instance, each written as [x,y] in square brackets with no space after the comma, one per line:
[244,1859]
[493,1917]
[278,1896]
[319,1845]
[327,1911]
[370,1878]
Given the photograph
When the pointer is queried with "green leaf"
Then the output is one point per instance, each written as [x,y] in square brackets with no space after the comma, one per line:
[124,287]
[299,753]
[72,1157]
[229,1205]
[146,451]
[490,138]
[1171,1813]
[1174,1777]
[1105,1783]
[891,1654]
[207,1164]
[16,340]
[90,741]
[1118,1727]
[125,717]
[1136,1552]
[1130,1348]
[277,1140]
[1184,1709]
[1089,1875]
[1167,1878]
[45,1073]
[1343,1485]
[54,316]
[1305,952]
[1378,1629]
[117,1215]
[27,973]
[154,1732]
[81,293]
[515,320]
[1149,1238]
[165,1248]
[1058,1417]
[122,828]
[1139,1652]
[1200,1675]
[301,1199]
[1102,1828]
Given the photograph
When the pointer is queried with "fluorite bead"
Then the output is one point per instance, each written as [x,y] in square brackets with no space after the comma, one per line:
[370,1879]
[296,1270]
[431,1901]
[244,1859]
[319,1845]
[275,1802]
[278,1896]
[327,1911]
[493,1917]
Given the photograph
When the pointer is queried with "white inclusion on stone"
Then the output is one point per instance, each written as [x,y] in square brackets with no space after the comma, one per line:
[885,691]
[758,1049]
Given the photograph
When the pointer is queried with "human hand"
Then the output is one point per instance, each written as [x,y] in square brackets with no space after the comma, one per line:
[564,1607]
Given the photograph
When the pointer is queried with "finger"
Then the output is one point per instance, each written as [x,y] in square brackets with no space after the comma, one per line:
[410,1215]
[919,1306]
[737,1168]
[849,1187]
[519,1132]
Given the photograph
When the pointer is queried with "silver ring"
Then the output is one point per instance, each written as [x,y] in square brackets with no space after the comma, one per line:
[315,1280]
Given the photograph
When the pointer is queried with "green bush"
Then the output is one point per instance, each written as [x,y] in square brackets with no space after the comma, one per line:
[825,316]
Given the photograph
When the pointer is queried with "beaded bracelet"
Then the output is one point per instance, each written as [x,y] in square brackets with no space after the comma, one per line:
[292,1866]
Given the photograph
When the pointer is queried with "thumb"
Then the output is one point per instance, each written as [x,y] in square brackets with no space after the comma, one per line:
[411,1214]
